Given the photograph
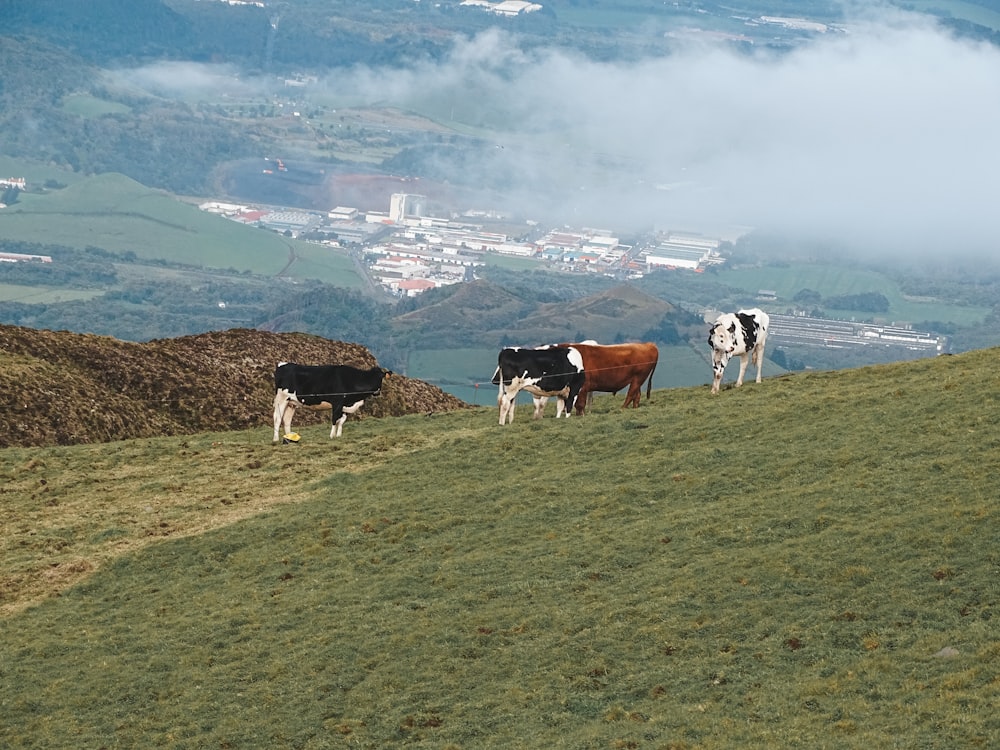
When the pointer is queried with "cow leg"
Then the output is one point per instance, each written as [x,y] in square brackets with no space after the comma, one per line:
[337,419]
[634,395]
[744,361]
[758,359]
[289,413]
[718,367]
[540,402]
[279,412]
[338,426]
[284,408]
[507,399]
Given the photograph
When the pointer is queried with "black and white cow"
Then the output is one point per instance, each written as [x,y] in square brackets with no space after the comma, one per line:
[340,388]
[542,372]
[742,334]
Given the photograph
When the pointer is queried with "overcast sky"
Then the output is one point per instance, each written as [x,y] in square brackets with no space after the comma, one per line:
[886,134]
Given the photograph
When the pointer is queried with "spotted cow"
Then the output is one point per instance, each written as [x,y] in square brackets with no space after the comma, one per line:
[340,388]
[542,372]
[742,334]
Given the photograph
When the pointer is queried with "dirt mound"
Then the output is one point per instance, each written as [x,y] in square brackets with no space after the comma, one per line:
[65,388]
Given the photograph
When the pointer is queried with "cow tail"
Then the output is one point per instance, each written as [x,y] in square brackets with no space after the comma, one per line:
[649,385]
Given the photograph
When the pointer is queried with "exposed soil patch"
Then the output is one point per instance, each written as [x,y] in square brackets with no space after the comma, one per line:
[64,388]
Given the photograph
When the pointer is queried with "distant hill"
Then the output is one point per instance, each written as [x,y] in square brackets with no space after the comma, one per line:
[478,305]
[482,312]
[102,28]
[621,313]
[66,388]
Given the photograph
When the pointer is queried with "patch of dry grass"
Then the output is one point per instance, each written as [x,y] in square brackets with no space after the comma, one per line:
[66,512]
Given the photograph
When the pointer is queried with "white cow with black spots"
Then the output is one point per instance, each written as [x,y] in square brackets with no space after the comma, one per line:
[740,334]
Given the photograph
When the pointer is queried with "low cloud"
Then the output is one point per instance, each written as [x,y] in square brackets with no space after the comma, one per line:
[187,80]
[883,133]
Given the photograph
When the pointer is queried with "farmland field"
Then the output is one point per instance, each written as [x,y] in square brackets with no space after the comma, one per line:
[35,173]
[832,281]
[91,106]
[117,214]
[973,11]
[44,295]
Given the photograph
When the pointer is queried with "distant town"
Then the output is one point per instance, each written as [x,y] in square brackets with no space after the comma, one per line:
[409,253]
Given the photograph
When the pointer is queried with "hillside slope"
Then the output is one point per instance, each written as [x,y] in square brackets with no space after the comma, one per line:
[622,312]
[808,562]
[482,311]
[476,305]
[65,388]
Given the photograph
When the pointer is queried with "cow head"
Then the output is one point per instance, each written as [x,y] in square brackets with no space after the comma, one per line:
[385,374]
[722,338]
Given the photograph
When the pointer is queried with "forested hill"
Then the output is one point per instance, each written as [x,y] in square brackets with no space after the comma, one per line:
[102,29]
[282,36]
[65,388]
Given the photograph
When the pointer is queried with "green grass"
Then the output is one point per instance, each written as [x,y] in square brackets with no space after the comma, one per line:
[333,266]
[36,174]
[634,15]
[44,295]
[92,106]
[778,566]
[970,11]
[511,262]
[833,281]
[115,213]
[118,214]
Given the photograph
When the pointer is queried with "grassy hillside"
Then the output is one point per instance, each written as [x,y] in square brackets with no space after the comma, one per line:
[833,280]
[808,562]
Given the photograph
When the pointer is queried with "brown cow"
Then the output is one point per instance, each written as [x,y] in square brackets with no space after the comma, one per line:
[608,368]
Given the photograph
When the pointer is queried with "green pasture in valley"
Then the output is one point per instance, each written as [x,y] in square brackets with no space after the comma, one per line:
[115,213]
[511,262]
[86,105]
[813,561]
[31,295]
[35,174]
[323,263]
[978,12]
[831,281]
